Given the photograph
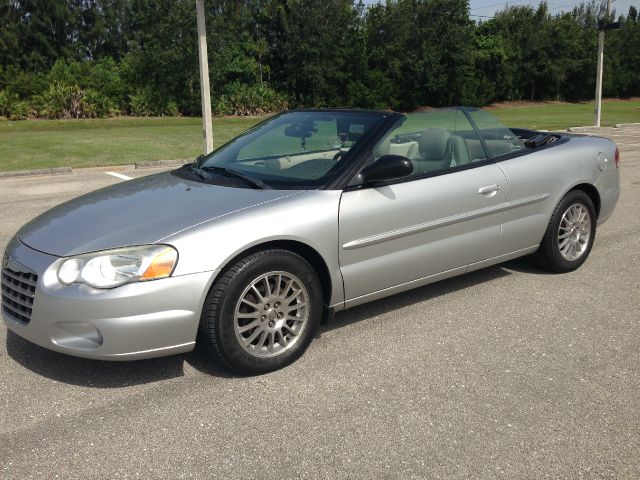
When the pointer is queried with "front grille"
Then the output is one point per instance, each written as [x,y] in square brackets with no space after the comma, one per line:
[18,289]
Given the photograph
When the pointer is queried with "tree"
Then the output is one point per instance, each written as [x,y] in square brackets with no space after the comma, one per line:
[140,56]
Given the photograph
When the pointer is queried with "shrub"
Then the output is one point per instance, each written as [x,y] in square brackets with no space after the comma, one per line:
[97,104]
[21,110]
[144,103]
[12,108]
[6,102]
[20,83]
[242,99]
[61,101]
[103,77]
[90,89]
[71,101]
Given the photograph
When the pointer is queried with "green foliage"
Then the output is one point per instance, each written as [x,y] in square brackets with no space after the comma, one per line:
[11,107]
[146,103]
[241,99]
[103,77]
[320,49]
[423,49]
[21,83]
[64,101]
[95,58]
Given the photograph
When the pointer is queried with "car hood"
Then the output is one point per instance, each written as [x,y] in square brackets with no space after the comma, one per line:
[140,211]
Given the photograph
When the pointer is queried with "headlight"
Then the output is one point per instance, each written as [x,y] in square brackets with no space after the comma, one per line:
[112,268]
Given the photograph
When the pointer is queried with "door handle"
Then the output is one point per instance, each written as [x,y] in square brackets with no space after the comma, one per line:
[489,190]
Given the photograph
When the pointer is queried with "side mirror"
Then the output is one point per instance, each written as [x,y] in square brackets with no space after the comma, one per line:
[387,167]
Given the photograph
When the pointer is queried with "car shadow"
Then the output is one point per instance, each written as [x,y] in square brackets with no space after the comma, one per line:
[410,297]
[91,373]
[526,265]
[99,374]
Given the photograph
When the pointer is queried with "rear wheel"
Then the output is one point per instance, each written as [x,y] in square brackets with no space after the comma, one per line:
[570,234]
[263,312]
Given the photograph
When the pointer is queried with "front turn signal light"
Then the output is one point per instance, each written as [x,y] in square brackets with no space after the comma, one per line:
[161,265]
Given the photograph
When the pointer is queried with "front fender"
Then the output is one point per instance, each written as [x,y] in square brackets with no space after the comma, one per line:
[310,218]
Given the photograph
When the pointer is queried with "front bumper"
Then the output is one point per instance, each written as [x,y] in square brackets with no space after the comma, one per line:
[134,321]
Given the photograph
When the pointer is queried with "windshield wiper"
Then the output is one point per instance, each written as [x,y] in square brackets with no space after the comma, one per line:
[255,182]
[203,174]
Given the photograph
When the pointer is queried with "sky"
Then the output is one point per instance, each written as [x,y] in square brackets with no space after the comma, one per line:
[489,7]
[480,9]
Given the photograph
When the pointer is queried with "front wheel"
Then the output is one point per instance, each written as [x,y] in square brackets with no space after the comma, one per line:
[570,234]
[263,312]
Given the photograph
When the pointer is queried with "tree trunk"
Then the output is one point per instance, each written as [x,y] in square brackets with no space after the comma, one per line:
[533,90]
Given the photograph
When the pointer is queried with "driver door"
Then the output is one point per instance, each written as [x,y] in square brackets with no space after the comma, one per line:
[429,225]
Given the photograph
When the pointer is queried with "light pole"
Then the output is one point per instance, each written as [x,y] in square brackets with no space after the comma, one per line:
[207,135]
[599,75]
[601,30]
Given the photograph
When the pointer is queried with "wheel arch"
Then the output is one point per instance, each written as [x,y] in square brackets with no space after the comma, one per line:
[592,192]
[310,254]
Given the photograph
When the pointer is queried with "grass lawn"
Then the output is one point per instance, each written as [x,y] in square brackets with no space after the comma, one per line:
[558,115]
[111,141]
[120,141]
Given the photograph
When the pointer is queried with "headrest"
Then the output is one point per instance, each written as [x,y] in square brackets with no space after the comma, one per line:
[433,143]
[383,148]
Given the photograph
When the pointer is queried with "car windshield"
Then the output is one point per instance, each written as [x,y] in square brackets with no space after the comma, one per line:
[297,149]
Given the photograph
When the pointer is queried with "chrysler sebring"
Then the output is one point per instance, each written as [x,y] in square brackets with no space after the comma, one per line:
[248,249]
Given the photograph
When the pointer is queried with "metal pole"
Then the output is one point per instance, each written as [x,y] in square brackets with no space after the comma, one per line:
[207,135]
[599,78]
[598,111]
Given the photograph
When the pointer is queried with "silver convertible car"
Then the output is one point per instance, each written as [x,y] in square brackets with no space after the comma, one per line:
[247,250]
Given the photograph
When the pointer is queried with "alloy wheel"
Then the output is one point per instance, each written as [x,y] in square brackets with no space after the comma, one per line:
[574,232]
[271,314]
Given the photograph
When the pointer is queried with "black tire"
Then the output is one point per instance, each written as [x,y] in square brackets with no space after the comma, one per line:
[217,321]
[549,255]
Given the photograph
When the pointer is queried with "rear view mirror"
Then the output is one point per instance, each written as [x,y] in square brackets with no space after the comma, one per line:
[301,130]
[387,167]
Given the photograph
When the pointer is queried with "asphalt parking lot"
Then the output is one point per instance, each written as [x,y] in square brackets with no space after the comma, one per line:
[508,372]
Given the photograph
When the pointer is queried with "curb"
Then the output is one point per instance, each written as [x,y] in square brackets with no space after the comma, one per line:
[580,129]
[588,128]
[37,171]
[161,163]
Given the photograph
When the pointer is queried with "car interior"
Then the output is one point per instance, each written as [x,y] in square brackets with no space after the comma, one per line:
[435,149]
[433,140]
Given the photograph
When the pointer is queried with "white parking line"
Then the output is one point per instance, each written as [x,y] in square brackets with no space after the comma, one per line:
[119,175]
